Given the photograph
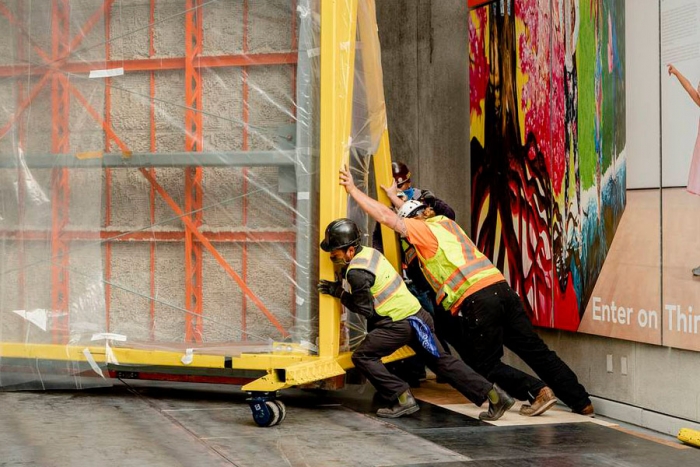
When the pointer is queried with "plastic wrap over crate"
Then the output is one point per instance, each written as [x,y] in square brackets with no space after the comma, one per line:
[158,181]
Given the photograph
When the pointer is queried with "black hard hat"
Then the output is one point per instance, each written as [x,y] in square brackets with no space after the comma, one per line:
[341,233]
[400,172]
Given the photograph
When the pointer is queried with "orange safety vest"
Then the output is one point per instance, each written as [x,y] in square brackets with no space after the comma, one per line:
[458,269]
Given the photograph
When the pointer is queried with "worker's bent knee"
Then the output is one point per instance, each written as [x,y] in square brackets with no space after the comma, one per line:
[361,359]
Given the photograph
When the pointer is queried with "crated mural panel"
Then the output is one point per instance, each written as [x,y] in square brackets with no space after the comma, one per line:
[547,107]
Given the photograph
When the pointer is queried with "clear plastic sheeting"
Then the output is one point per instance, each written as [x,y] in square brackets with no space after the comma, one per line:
[368,106]
[154,193]
[159,180]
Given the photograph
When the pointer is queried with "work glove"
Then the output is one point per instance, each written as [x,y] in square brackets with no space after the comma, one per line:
[333,288]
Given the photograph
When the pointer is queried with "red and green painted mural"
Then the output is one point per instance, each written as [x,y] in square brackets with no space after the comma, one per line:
[547,104]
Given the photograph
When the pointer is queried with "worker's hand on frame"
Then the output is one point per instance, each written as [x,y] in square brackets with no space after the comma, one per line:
[391,190]
[346,179]
[334,288]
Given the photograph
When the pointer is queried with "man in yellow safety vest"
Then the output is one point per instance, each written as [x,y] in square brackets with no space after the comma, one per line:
[487,314]
[395,318]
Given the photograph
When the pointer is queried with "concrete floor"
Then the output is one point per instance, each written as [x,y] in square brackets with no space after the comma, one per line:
[197,425]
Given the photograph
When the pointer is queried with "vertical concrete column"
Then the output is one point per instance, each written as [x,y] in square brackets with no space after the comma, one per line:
[425,57]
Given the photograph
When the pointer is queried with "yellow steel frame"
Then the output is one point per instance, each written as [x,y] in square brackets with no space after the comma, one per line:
[339,20]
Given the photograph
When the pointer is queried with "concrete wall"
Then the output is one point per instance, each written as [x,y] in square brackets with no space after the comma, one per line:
[425,64]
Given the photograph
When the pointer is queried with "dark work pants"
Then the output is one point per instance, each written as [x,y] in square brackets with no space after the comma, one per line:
[494,317]
[427,301]
[412,369]
[388,336]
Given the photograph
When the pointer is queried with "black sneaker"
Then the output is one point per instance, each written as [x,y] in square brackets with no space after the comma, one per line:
[496,410]
[398,409]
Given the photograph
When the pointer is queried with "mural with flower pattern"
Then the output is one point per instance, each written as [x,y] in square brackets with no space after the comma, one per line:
[547,104]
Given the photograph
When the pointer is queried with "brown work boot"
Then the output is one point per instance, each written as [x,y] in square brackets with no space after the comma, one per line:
[544,401]
[399,409]
[587,411]
[499,403]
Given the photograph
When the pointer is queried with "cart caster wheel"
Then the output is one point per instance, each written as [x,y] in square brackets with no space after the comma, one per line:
[267,412]
[275,411]
[282,409]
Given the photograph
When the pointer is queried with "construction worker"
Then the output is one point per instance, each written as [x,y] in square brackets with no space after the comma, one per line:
[403,179]
[406,191]
[417,283]
[412,369]
[395,318]
[488,313]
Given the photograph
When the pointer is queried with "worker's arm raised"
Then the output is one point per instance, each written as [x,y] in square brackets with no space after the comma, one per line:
[374,208]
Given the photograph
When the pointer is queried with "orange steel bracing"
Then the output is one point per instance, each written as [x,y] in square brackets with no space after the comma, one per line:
[193,175]
[184,217]
[217,256]
[60,187]
[154,64]
[55,70]
[25,103]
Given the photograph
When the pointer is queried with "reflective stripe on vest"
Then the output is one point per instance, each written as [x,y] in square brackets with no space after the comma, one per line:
[391,296]
[409,251]
[457,265]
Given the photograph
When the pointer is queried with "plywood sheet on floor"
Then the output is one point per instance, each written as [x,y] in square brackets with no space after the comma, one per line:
[447,397]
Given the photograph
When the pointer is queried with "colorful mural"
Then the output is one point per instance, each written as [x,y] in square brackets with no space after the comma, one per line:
[547,103]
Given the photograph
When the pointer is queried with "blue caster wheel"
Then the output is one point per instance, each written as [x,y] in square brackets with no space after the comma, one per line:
[267,411]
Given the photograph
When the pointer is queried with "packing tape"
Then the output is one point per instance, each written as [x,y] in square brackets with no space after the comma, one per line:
[188,357]
[88,155]
[107,73]
[92,362]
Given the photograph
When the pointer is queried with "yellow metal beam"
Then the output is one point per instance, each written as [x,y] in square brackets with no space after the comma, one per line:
[403,352]
[338,29]
[130,356]
[383,176]
[344,359]
[268,361]
[297,369]
[302,373]
[125,356]
[310,371]
[268,383]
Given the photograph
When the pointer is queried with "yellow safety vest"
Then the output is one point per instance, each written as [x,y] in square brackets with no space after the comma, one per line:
[391,296]
[458,265]
[409,252]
